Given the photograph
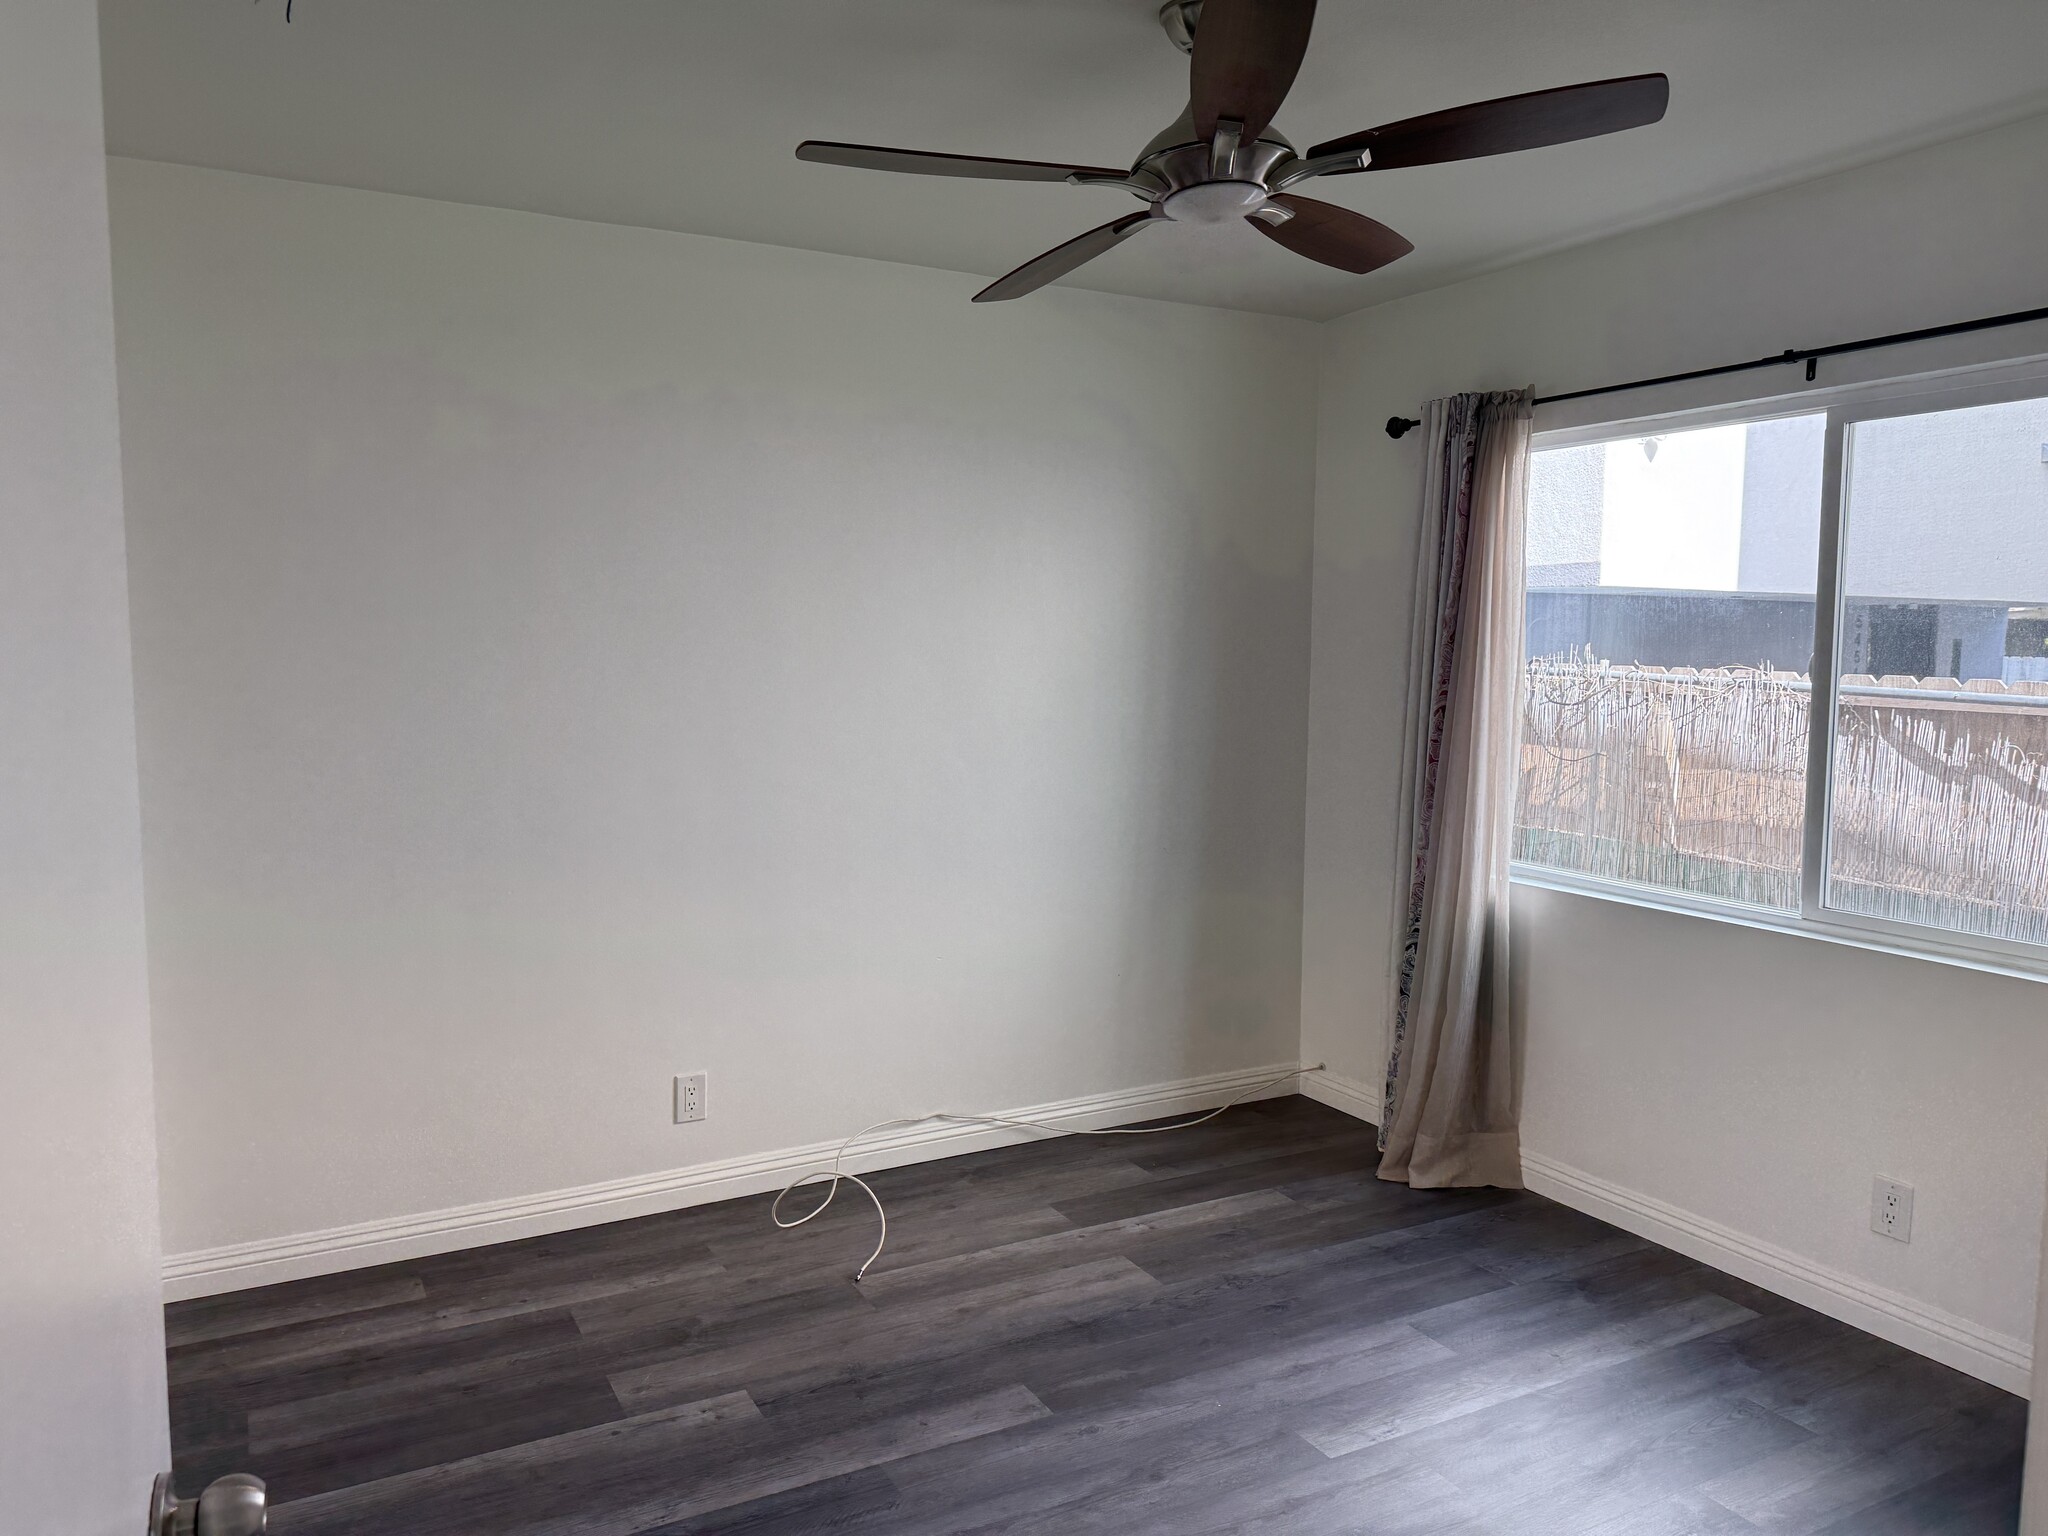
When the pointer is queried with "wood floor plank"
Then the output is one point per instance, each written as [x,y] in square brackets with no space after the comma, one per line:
[1331,1498]
[469,1386]
[1642,1467]
[1294,1382]
[280,1306]
[1370,1237]
[511,1417]
[1686,1514]
[857,1501]
[1879,1409]
[1239,1178]
[562,1483]
[1557,1462]
[940,1328]
[1083,1473]
[855,1449]
[1227,1143]
[1823,1482]
[1438,1395]
[1232,1327]
[283,1363]
[1069,1246]
[1967,1501]
[834,1248]
[640,1473]
[722,1304]
[1233,1318]
[1271,1234]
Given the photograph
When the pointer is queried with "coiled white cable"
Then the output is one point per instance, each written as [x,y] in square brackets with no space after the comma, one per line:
[836,1174]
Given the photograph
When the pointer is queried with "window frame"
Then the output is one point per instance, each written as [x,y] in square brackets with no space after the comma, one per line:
[1843,407]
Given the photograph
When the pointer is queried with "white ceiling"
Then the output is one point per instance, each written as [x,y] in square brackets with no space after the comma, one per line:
[682,114]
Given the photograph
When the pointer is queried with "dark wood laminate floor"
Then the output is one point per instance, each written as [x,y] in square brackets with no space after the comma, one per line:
[1229,1328]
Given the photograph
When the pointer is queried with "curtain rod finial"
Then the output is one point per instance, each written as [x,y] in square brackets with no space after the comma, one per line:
[1399,427]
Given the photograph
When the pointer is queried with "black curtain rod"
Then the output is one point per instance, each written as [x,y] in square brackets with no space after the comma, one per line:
[1401,426]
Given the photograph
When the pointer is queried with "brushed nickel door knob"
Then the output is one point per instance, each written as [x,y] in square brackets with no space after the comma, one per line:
[235,1505]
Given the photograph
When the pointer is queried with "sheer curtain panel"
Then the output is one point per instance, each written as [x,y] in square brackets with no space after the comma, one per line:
[1449,1117]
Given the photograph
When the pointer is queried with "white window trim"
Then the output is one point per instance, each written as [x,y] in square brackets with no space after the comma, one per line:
[1955,389]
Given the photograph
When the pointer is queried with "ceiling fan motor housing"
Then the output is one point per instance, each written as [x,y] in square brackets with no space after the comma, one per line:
[1176,159]
[1180,17]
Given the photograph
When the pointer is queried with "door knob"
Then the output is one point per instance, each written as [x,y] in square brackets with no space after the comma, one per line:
[231,1506]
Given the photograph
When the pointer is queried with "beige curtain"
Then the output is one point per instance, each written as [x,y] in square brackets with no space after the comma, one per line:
[1450,1110]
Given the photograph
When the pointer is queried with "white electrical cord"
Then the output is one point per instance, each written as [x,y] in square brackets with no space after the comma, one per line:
[837,1174]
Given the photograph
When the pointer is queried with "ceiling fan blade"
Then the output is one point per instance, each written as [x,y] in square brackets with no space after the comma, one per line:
[1247,53]
[920,162]
[1510,123]
[1062,259]
[1335,236]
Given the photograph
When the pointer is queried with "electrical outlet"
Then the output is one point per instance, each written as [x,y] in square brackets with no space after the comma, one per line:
[690,1098]
[1891,1209]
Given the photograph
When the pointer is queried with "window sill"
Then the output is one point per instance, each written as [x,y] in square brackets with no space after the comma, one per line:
[1789,924]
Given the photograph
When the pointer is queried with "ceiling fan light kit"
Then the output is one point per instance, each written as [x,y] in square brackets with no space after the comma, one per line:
[1222,161]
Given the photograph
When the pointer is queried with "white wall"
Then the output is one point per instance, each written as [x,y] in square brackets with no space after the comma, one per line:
[82,1422]
[1752,1080]
[569,655]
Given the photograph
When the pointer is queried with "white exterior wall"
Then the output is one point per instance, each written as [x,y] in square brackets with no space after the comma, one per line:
[1951,508]
[1945,509]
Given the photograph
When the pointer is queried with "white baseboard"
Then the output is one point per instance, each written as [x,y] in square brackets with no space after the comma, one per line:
[238,1266]
[1998,1358]
[1359,1100]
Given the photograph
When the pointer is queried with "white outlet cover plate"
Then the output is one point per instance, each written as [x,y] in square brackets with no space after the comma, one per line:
[689,1097]
[1891,1209]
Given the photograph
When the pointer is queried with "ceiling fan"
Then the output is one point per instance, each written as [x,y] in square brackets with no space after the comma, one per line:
[1223,159]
